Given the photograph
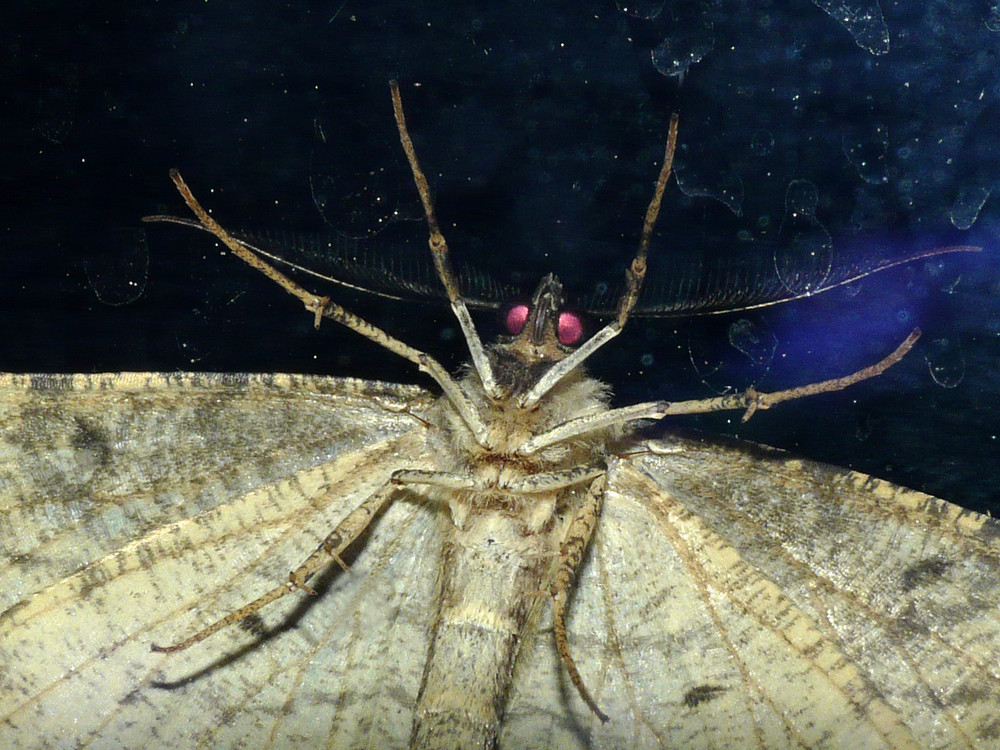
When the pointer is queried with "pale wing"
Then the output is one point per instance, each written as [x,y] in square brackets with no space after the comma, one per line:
[134,509]
[737,597]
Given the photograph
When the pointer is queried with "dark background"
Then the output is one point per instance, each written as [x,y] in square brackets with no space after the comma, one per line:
[809,132]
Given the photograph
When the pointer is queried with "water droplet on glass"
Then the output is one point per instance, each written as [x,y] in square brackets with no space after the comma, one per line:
[675,54]
[945,361]
[852,288]
[967,205]
[117,272]
[993,16]
[361,210]
[863,19]
[356,202]
[755,341]
[803,257]
[738,361]
[56,106]
[704,181]
[865,147]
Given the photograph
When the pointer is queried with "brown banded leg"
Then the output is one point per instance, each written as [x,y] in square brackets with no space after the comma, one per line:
[442,255]
[549,481]
[324,307]
[748,401]
[571,552]
[329,550]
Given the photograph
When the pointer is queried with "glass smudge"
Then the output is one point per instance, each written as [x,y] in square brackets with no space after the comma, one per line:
[803,257]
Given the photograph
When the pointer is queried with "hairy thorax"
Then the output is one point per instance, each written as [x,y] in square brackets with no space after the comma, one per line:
[499,466]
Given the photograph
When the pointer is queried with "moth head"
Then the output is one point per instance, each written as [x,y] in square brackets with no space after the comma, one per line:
[543,330]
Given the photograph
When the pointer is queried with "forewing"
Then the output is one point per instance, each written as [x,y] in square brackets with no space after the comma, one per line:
[137,508]
[736,597]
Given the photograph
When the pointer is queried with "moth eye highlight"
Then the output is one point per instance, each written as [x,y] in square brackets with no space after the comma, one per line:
[515,319]
[569,329]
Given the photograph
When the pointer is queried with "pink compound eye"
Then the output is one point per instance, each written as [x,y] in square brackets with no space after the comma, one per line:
[569,329]
[515,319]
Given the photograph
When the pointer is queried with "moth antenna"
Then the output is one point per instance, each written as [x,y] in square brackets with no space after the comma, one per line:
[441,254]
[635,274]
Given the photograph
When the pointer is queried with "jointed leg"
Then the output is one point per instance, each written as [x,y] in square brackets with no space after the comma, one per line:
[571,552]
[323,307]
[330,549]
[750,401]
[550,481]
[440,254]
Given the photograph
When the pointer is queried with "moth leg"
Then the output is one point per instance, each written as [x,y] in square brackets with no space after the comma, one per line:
[533,483]
[553,480]
[571,552]
[749,401]
[329,549]
[441,254]
[323,307]
[634,276]
[444,479]
[593,423]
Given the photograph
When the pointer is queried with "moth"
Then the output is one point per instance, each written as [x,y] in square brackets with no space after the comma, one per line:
[505,562]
